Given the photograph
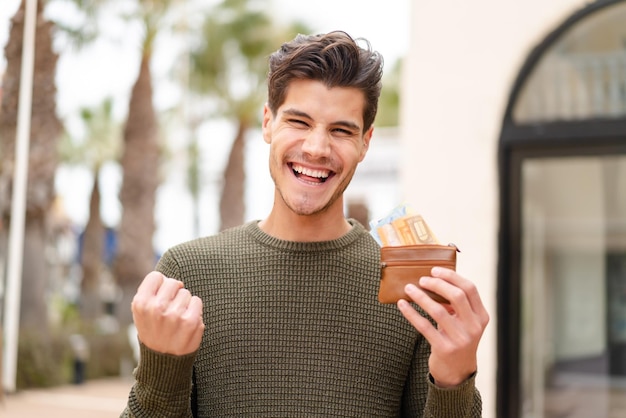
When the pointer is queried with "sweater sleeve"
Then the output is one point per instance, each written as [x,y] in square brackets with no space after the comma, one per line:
[162,388]
[462,401]
[163,382]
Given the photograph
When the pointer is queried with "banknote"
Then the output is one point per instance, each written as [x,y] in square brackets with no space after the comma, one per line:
[397,212]
[419,231]
[402,226]
[389,236]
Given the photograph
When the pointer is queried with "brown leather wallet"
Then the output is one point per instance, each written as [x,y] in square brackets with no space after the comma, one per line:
[401,265]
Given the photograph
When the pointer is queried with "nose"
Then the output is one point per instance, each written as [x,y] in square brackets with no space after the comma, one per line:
[317,143]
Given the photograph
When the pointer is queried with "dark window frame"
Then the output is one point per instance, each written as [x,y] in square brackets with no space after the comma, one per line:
[517,143]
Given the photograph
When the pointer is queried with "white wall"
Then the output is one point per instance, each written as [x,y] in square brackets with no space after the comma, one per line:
[463,59]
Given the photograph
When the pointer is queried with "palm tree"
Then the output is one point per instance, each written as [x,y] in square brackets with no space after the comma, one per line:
[140,162]
[100,146]
[44,134]
[229,67]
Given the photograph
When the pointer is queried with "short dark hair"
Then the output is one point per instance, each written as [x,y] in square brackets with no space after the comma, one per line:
[335,59]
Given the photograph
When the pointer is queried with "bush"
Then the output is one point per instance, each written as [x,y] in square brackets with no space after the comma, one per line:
[45,361]
[42,360]
[107,353]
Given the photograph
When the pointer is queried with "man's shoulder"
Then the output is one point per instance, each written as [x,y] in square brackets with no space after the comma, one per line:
[221,242]
[201,255]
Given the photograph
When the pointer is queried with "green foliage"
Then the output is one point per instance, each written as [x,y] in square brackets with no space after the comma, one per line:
[47,361]
[101,142]
[389,101]
[43,361]
[83,30]
[229,64]
[107,353]
[194,169]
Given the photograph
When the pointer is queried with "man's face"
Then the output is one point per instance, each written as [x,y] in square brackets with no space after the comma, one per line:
[316,142]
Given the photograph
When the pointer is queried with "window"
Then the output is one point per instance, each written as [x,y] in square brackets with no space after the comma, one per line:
[562,248]
[573,287]
[582,75]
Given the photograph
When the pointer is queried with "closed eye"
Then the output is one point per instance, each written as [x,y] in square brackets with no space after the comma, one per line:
[343,131]
[298,122]
[346,129]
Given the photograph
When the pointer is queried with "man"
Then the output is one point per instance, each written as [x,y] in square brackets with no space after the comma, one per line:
[280,317]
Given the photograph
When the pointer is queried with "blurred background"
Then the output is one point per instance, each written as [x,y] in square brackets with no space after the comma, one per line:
[144,133]
[502,122]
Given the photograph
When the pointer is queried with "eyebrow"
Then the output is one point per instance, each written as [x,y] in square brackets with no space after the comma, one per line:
[299,113]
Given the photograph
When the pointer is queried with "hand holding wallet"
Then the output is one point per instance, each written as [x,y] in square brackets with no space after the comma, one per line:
[409,251]
[401,265]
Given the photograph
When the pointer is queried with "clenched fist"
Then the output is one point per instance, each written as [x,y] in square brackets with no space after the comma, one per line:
[167,317]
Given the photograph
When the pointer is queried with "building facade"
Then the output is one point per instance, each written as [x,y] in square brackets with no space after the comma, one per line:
[514,127]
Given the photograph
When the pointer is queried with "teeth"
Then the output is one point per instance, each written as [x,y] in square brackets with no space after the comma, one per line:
[321,174]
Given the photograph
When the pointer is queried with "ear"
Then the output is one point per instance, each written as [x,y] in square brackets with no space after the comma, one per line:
[267,123]
[366,142]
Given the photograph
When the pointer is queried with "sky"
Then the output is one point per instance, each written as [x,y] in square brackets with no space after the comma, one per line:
[384,23]
[109,68]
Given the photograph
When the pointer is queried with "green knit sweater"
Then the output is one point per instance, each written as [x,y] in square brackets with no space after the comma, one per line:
[293,329]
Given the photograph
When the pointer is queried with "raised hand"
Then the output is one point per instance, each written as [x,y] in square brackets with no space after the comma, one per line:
[461,323]
[167,317]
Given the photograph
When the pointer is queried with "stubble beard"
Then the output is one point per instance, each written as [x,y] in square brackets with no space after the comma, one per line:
[303,206]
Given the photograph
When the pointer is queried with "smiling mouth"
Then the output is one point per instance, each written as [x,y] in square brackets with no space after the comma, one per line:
[310,175]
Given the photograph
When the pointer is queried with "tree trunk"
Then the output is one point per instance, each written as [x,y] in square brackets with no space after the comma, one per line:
[140,159]
[44,134]
[232,204]
[91,305]
[34,306]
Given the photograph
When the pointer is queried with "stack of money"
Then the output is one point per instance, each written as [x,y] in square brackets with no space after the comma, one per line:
[402,227]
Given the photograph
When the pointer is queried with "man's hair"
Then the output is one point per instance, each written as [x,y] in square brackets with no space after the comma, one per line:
[335,59]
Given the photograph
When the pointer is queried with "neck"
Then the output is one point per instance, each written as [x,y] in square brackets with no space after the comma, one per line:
[289,226]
